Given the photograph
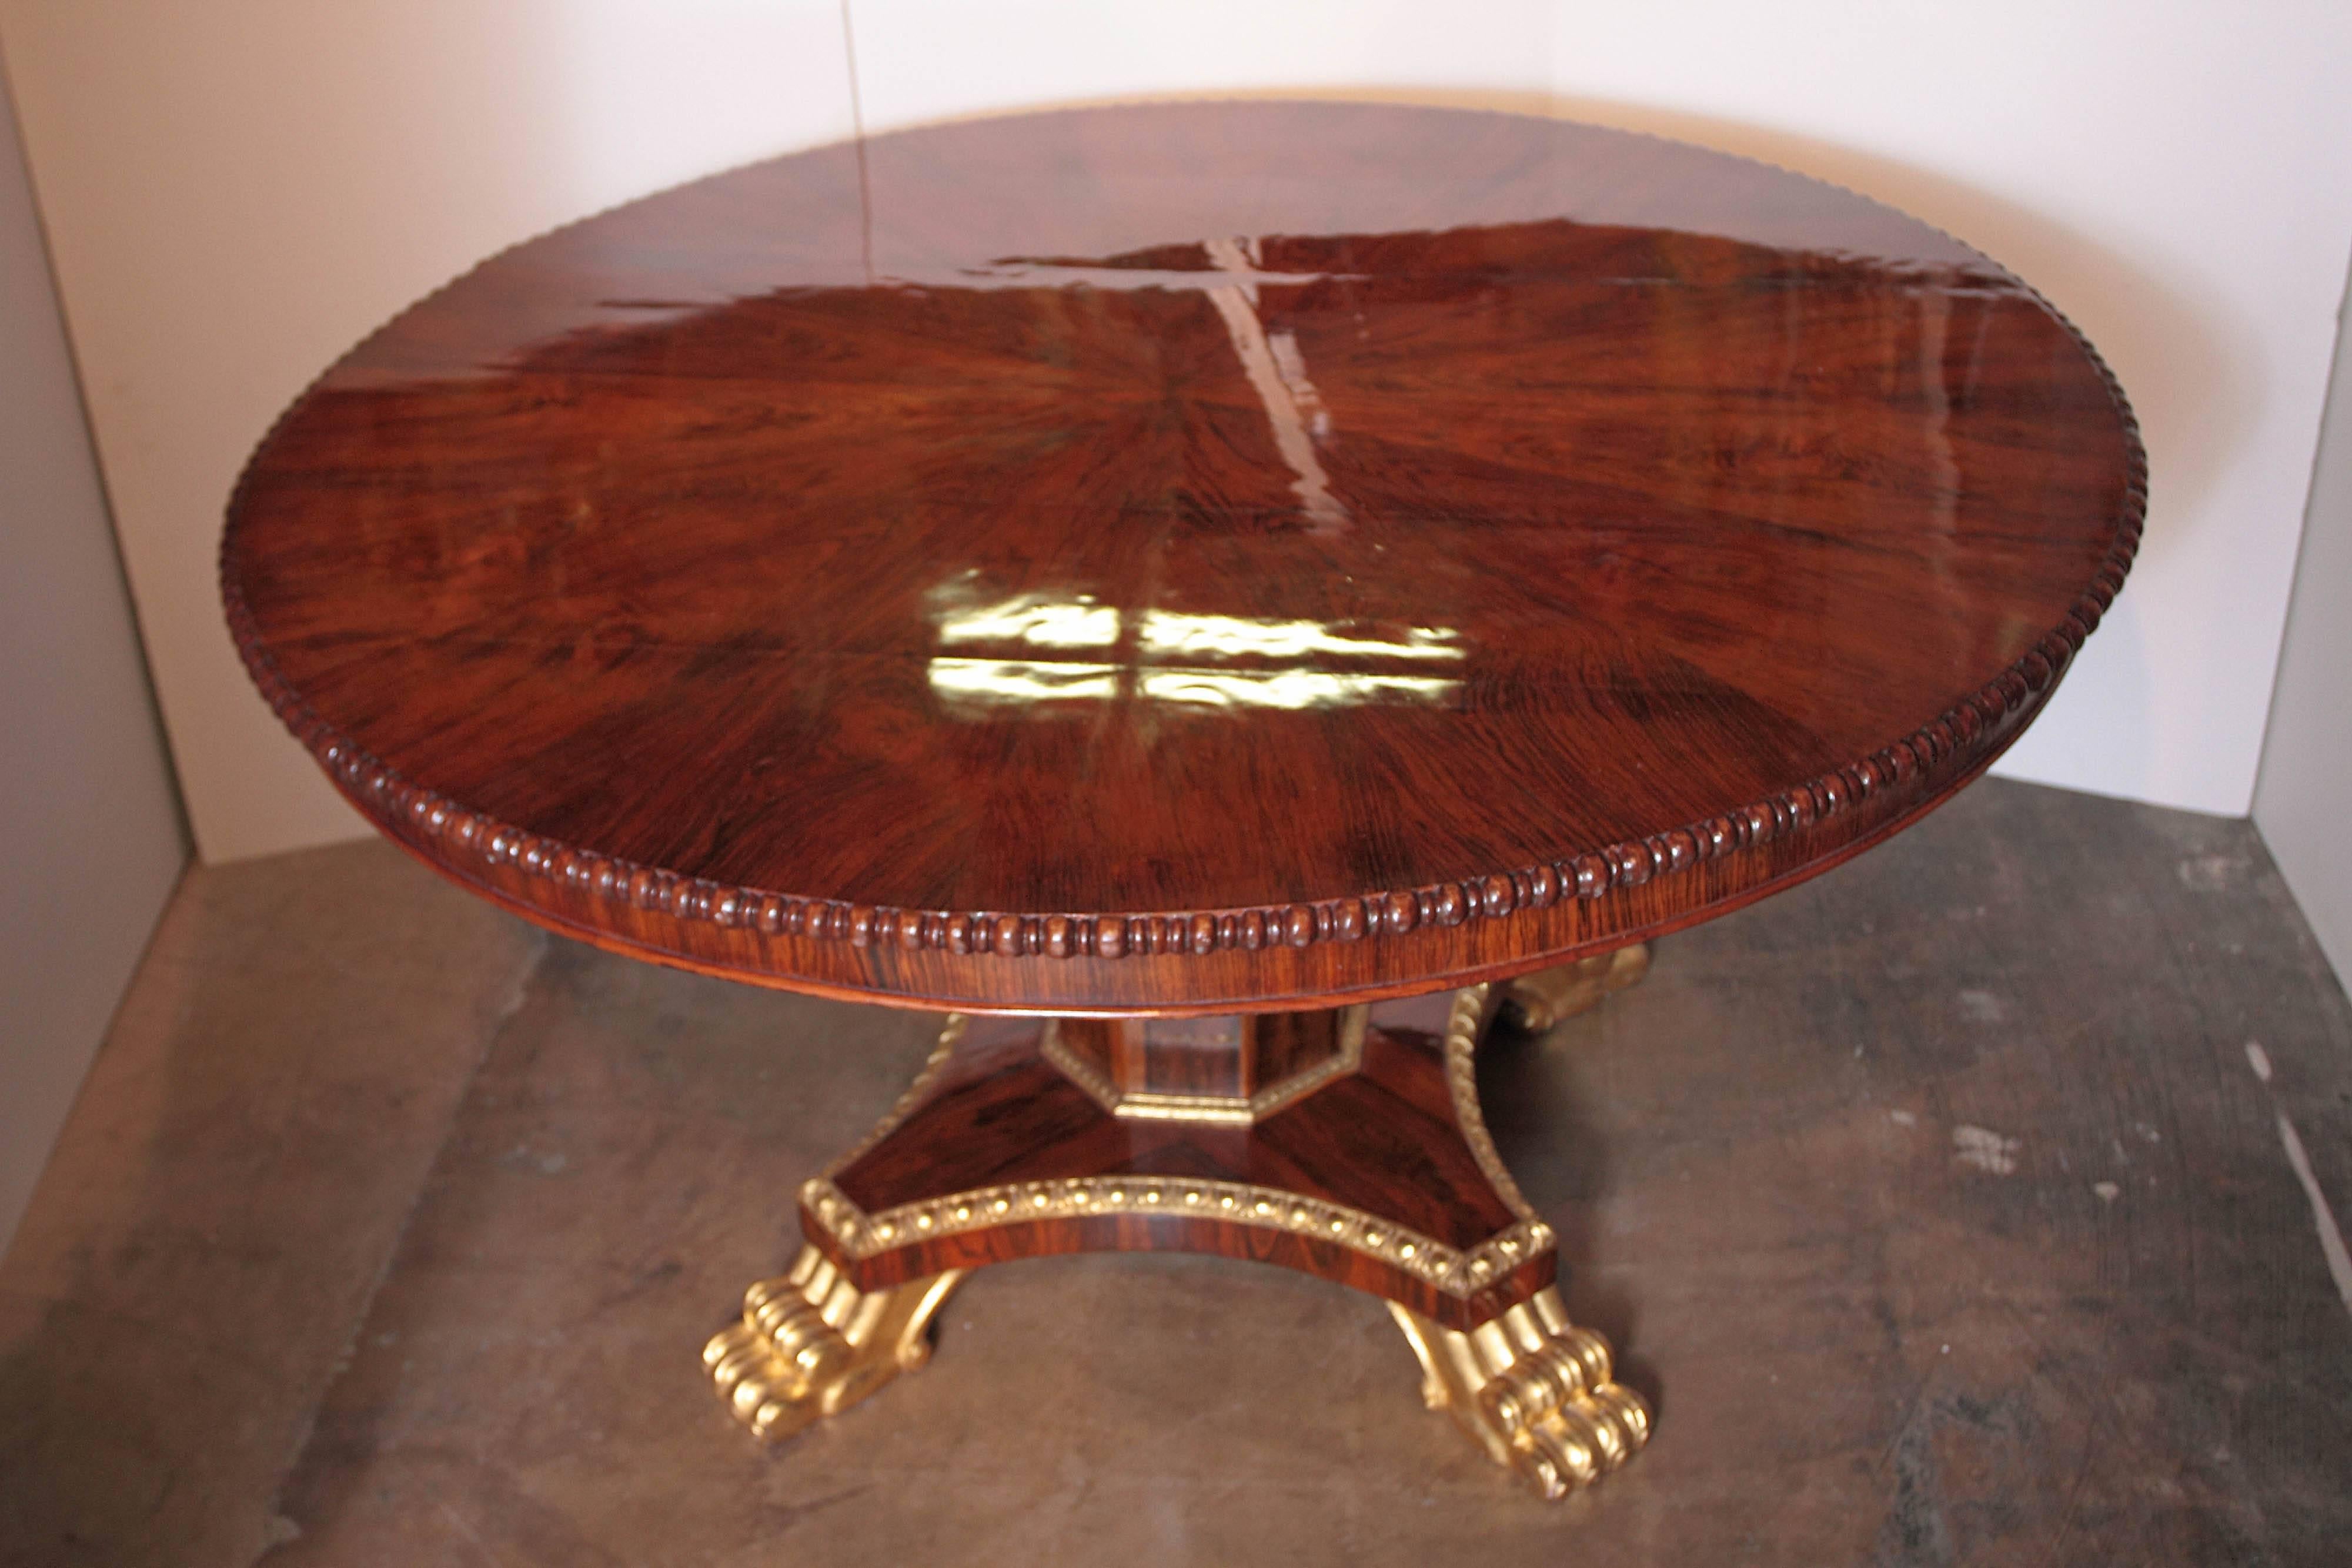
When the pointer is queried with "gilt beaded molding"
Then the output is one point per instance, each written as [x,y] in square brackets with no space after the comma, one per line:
[1457,1272]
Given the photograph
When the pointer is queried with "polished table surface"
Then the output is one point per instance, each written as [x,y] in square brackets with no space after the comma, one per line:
[1200,558]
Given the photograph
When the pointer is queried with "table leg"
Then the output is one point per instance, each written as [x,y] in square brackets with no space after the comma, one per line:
[1534,1392]
[810,1343]
[1544,997]
[1346,1144]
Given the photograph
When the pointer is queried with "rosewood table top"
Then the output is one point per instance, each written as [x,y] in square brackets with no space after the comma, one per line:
[1203,558]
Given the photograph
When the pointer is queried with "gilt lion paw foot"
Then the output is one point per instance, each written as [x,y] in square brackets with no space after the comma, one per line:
[811,1345]
[1532,1390]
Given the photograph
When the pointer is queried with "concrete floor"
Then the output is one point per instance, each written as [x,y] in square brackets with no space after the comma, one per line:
[1938,1205]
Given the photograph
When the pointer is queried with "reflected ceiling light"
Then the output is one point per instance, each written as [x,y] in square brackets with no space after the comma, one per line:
[1290,688]
[1036,620]
[1230,636]
[1079,621]
[991,682]
[990,686]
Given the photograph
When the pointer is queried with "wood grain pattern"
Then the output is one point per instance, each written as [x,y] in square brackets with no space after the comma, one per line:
[1199,558]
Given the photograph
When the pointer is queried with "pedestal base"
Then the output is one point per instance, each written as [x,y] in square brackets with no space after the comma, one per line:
[1348,1145]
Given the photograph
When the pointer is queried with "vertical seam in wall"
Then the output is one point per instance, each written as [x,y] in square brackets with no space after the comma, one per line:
[2302,544]
[857,132]
[98,469]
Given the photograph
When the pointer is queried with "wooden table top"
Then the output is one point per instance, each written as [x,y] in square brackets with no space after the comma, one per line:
[1184,557]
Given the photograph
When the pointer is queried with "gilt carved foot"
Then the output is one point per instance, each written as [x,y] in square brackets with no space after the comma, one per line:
[812,1344]
[1532,1391]
[1544,997]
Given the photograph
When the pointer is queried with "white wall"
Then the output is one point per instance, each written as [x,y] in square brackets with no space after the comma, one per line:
[2303,803]
[238,191]
[89,834]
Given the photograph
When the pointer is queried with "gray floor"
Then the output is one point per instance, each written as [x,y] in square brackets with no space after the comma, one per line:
[1938,1205]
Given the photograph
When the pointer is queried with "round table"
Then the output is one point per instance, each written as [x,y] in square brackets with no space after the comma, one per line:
[1218,598]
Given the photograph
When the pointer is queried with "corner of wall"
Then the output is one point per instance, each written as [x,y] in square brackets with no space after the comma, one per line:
[2301,792]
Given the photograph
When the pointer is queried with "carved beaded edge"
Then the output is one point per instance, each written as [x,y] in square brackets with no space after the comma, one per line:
[1944,746]
[1936,750]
